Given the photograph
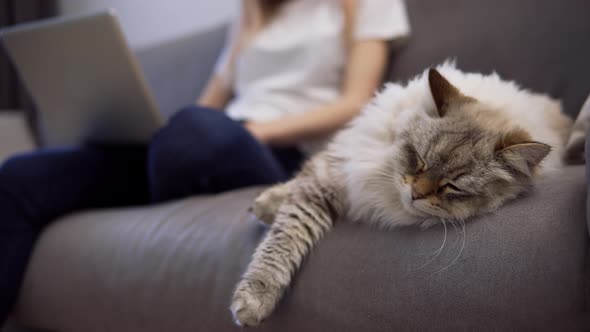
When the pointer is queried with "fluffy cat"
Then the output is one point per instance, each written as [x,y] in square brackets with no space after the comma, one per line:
[447,145]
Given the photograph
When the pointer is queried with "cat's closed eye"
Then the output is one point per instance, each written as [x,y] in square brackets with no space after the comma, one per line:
[452,192]
[453,188]
[449,188]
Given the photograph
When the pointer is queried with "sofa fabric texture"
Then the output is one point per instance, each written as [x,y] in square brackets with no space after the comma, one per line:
[172,267]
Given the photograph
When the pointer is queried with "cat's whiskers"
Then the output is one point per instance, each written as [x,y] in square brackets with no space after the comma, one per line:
[437,252]
[486,189]
[457,233]
[460,250]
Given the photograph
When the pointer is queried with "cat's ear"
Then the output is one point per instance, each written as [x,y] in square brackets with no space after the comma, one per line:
[519,152]
[443,92]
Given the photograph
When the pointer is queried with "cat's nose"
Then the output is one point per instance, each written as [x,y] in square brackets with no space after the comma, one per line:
[422,188]
[416,195]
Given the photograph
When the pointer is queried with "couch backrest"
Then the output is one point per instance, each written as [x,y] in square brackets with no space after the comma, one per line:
[542,44]
[178,69]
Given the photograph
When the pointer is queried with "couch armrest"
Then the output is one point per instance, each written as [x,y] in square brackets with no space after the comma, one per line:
[177,70]
[14,135]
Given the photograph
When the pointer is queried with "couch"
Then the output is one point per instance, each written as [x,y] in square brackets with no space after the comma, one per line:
[173,266]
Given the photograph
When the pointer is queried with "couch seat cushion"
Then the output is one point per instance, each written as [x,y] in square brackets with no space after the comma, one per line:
[172,267]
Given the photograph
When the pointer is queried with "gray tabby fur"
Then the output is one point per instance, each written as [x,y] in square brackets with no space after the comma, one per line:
[417,155]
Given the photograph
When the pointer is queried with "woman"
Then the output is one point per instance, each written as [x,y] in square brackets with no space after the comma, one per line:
[299,70]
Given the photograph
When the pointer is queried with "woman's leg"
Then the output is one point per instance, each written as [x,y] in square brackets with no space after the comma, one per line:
[37,188]
[203,151]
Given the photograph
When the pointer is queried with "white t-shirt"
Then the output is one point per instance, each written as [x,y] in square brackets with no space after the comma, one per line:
[296,63]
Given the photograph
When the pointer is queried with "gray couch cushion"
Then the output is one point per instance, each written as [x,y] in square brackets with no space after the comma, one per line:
[173,267]
[542,44]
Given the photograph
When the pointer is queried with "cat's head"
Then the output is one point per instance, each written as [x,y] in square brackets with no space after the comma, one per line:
[452,166]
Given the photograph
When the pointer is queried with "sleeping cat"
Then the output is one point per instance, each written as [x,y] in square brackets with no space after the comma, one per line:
[448,145]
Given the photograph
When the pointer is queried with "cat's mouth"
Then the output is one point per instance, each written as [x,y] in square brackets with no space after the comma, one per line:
[420,207]
[413,207]
[426,208]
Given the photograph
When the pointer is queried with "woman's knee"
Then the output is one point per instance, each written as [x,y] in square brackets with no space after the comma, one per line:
[202,150]
[15,172]
[192,116]
[194,139]
[16,187]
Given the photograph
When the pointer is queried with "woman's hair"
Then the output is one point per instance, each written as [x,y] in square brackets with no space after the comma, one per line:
[269,8]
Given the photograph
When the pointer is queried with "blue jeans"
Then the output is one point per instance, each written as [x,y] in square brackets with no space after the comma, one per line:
[199,151]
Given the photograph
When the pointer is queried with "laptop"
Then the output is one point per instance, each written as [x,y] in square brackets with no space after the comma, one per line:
[84,79]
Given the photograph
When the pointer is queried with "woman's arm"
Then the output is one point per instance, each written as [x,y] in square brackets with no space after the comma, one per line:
[364,69]
[218,91]
[216,94]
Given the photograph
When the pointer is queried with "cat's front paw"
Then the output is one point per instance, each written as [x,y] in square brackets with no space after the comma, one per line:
[267,204]
[253,301]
